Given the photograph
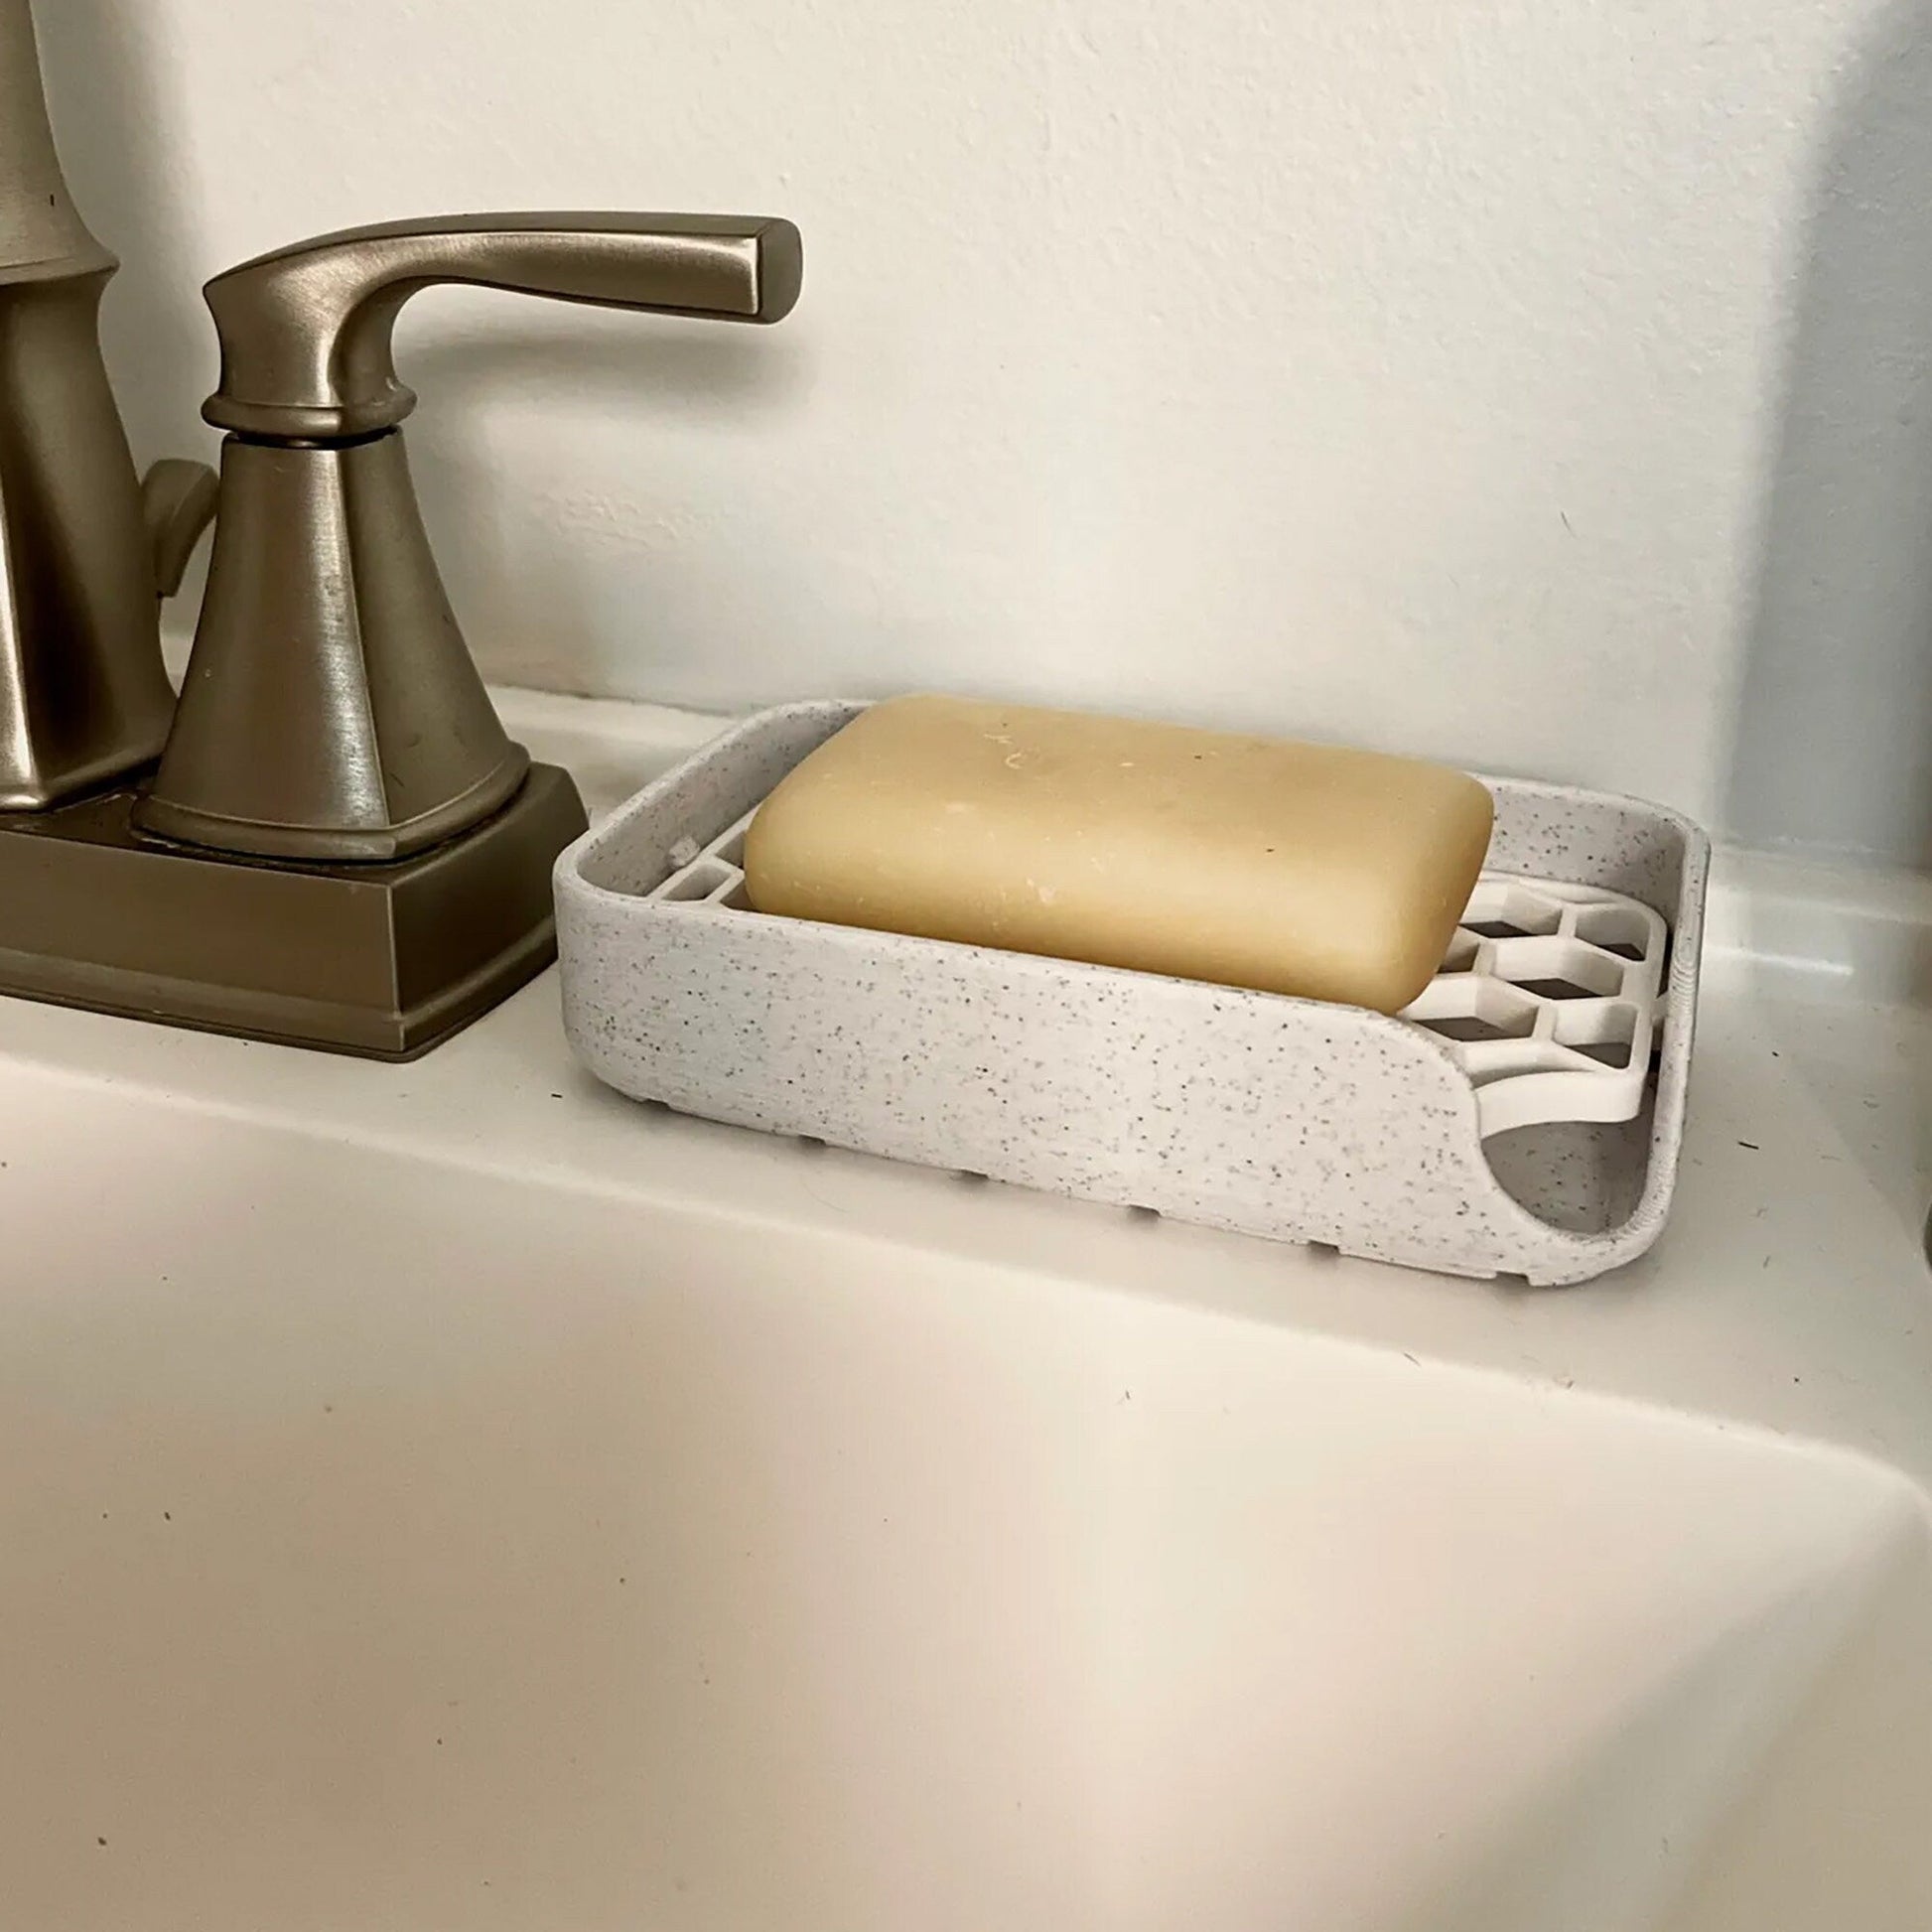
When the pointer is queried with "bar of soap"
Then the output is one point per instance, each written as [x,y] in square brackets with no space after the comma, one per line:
[1301,869]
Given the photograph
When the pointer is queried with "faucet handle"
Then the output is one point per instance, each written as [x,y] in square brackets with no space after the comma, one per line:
[178,499]
[306,332]
[331,713]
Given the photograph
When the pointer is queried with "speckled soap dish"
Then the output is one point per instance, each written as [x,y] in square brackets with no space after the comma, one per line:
[1417,1139]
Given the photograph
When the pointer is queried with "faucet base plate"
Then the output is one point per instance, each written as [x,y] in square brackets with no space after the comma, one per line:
[382,960]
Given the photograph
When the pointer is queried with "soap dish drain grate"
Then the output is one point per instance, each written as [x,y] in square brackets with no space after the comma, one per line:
[1550,997]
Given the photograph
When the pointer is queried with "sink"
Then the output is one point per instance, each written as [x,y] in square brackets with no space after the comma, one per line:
[398,1543]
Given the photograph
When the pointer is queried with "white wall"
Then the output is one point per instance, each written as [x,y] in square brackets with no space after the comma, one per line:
[1540,383]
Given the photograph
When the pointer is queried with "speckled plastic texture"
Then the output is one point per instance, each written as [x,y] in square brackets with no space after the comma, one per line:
[1269,1115]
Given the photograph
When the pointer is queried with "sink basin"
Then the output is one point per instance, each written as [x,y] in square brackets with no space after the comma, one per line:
[392,1543]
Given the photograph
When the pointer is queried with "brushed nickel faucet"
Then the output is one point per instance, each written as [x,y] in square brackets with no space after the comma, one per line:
[338,845]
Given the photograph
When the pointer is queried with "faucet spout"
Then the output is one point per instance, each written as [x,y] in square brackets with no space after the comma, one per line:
[83,695]
[41,232]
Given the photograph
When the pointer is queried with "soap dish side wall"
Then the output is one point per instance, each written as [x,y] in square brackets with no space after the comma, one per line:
[1247,1111]
[1549,996]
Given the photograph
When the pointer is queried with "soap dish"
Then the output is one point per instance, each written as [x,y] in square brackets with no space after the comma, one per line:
[1522,1115]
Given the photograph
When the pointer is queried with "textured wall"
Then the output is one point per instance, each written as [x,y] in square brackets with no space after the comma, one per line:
[1536,383]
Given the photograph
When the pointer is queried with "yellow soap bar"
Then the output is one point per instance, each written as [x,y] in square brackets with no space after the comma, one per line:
[1301,869]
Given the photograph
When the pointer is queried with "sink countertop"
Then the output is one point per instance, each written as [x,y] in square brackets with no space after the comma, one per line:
[1788,1292]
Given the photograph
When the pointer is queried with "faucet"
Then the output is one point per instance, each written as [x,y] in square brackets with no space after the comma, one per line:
[87,551]
[338,845]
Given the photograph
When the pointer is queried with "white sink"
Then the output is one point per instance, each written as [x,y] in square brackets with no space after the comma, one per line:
[390,1543]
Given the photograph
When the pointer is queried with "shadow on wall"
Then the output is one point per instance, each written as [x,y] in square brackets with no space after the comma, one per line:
[510,546]
[1834,743]
[110,123]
